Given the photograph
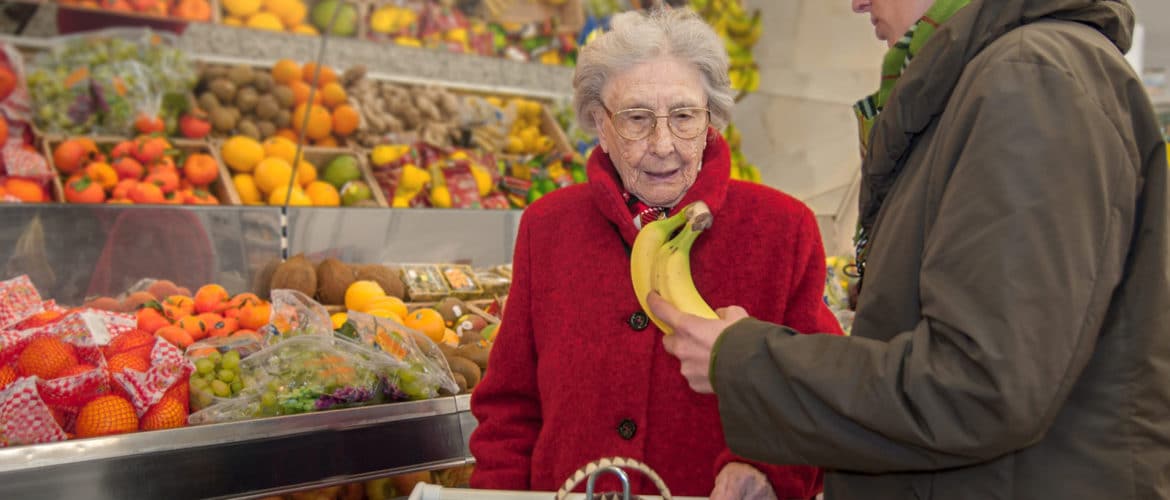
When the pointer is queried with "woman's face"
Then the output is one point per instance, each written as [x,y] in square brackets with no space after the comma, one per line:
[892,18]
[659,168]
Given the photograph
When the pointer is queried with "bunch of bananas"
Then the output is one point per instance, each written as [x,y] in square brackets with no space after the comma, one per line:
[660,261]
[740,31]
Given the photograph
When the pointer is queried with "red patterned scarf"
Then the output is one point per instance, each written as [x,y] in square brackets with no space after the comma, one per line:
[643,213]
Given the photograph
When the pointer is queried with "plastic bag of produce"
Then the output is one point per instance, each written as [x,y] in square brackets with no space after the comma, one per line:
[303,374]
[425,373]
[18,300]
[295,314]
[217,368]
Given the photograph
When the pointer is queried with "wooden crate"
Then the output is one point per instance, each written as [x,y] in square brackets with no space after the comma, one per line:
[222,188]
[320,156]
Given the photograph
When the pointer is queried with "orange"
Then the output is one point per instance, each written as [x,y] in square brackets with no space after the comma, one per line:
[272,172]
[282,148]
[345,120]
[427,321]
[287,134]
[8,375]
[390,303]
[167,413]
[177,307]
[103,174]
[286,71]
[301,93]
[296,198]
[151,319]
[176,335]
[328,142]
[46,357]
[333,94]
[120,362]
[106,415]
[243,299]
[360,294]
[320,121]
[194,325]
[223,327]
[209,297]
[306,173]
[135,341]
[25,190]
[327,74]
[323,194]
[254,316]
[76,370]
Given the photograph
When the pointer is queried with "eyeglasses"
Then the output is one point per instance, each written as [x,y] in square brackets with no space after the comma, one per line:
[635,124]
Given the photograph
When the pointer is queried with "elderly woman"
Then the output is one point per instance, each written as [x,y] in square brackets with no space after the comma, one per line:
[578,372]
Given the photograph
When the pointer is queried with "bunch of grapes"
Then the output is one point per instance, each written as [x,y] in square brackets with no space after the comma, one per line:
[217,375]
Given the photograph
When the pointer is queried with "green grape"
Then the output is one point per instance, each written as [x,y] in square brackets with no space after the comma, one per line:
[199,383]
[268,399]
[227,376]
[220,388]
[231,360]
[237,386]
[205,366]
[215,356]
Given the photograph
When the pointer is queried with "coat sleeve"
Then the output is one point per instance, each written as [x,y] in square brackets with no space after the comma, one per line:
[508,407]
[1027,246]
[805,311]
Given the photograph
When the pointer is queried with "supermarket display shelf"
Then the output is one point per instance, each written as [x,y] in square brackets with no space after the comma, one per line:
[247,458]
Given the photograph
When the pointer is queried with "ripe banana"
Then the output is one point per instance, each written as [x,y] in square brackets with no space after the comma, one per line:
[653,237]
[672,272]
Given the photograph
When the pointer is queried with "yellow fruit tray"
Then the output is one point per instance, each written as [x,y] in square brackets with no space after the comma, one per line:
[318,157]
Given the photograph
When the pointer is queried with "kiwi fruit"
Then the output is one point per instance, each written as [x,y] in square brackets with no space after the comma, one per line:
[460,381]
[476,353]
[246,99]
[282,118]
[262,81]
[385,277]
[208,101]
[223,120]
[463,366]
[297,274]
[248,127]
[284,96]
[469,328]
[451,308]
[333,278]
[267,129]
[241,75]
[267,106]
[223,89]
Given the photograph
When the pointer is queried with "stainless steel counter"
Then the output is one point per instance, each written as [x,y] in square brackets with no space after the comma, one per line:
[248,458]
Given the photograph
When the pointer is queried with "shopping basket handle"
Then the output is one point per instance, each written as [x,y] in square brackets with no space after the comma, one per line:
[614,465]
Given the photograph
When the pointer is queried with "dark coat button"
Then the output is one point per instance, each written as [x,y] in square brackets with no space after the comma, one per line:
[627,429]
[639,321]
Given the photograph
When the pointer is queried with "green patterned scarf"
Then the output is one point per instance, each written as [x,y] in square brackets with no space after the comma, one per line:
[894,63]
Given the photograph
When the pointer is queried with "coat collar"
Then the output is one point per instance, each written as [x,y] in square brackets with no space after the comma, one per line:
[710,186]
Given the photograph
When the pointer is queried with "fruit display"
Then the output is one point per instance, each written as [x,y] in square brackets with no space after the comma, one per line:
[188,10]
[740,31]
[91,372]
[25,174]
[393,113]
[146,170]
[110,84]
[262,172]
[293,16]
[660,261]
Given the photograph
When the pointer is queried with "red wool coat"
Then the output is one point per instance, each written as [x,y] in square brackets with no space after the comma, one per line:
[571,380]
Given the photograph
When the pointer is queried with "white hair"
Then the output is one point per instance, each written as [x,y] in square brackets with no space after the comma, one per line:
[636,38]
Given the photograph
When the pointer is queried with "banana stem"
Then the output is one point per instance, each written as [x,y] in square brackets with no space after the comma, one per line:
[699,215]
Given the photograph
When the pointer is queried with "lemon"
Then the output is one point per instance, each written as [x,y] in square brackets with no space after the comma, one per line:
[413,179]
[280,147]
[305,29]
[515,145]
[298,198]
[242,8]
[440,197]
[483,179]
[290,12]
[246,186]
[457,35]
[338,319]
[265,21]
[494,101]
[233,21]
[387,154]
[272,172]
[383,20]
[323,194]
[408,41]
[400,202]
[361,293]
[242,153]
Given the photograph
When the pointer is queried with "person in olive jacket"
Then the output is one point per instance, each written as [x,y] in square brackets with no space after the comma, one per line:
[1012,336]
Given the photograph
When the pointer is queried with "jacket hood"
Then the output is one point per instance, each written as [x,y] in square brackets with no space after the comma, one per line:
[926,85]
[710,185]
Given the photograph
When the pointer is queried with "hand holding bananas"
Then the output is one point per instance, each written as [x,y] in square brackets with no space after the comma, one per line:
[694,338]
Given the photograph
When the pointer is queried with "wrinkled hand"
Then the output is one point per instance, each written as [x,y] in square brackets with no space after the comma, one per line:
[738,481]
[693,338]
